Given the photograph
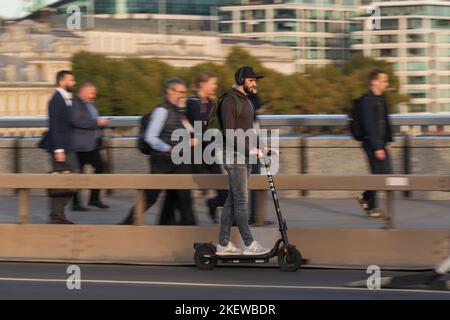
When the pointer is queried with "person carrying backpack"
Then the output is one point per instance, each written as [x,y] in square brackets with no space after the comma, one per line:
[235,112]
[156,141]
[375,133]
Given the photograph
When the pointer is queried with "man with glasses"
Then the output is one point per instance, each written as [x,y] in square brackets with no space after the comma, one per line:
[165,119]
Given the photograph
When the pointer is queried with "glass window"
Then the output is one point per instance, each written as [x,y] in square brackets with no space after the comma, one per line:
[259,27]
[417,80]
[225,15]
[311,27]
[311,14]
[416,38]
[259,14]
[356,26]
[443,38]
[386,38]
[288,41]
[417,66]
[312,42]
[444,93]
[389,24]
[286,26]
[444,79]
[334,54]
[417,108]
[285,14]
[416,52]
[440,24]
[225,28]
[384,53]
[414,23]
[315,54]
[444,107]
[417,94]
[443,65]
[443,52]
[356,40]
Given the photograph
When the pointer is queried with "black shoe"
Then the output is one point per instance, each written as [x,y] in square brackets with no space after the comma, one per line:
[98,204]
[364,204]
[60,219]
[79,208]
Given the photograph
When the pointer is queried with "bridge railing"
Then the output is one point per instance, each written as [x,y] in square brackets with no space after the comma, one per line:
[266,120]
[139,182]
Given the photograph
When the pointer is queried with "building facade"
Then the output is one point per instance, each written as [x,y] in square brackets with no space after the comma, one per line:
[415,37]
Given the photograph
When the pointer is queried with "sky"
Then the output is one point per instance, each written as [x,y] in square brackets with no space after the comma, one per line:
[15,8]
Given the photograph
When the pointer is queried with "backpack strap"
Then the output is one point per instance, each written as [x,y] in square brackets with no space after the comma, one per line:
[238,103]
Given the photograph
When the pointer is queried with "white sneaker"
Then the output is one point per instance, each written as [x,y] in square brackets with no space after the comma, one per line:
[255,249]
[229,249]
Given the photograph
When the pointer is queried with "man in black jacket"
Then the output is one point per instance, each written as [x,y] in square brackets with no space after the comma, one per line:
[86,139]
[59,139]
[377,135]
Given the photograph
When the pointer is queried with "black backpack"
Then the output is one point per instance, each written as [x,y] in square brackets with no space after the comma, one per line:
[354,118]
[142,145]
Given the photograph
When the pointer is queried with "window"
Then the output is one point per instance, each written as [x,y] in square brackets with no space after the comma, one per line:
[311,14]
[443,38]
[386,38]
[417,94]
[315,54]
[288,41]
[225,15]
[259,27]
[417,80]
[444,79]
[356,26]
[286,26]
[334,54]
[311,27]
[416,52]
[225,28]
[384,53]
[417,108]
[445,65]
[389,24]
[285,14]
[417,66]
[443,52]
[313,42]
[414,23]
[444,107]
[444,93]
[259,14]
[416,38]
[356,40]
[440,24]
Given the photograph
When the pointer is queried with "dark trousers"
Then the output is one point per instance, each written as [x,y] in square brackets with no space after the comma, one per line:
[163,165]
[94,159]
[57,204]
[221,195]
[376,167]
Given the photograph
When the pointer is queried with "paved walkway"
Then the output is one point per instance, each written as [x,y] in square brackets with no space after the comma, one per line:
[322,213]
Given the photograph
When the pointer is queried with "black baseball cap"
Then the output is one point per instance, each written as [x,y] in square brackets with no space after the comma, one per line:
[246,72]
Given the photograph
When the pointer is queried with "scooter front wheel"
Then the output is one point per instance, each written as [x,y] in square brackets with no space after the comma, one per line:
[201,258]
[290,261]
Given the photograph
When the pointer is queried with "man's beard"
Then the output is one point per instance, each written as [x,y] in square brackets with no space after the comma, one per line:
[247,90]
[69,89]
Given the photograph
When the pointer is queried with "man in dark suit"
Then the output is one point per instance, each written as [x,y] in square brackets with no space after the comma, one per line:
[58,139]
[86,138]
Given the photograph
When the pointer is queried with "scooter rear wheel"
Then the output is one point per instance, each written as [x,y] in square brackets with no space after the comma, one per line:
[291,261]
[202,262]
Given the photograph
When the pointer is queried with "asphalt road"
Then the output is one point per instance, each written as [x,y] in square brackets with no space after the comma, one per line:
[49,281]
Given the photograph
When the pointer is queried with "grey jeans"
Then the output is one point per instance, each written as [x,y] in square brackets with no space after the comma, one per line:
[236,205]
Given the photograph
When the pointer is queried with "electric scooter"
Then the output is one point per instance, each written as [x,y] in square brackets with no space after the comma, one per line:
[289,258]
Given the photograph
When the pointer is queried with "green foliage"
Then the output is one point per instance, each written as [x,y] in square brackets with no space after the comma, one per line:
[134,86]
